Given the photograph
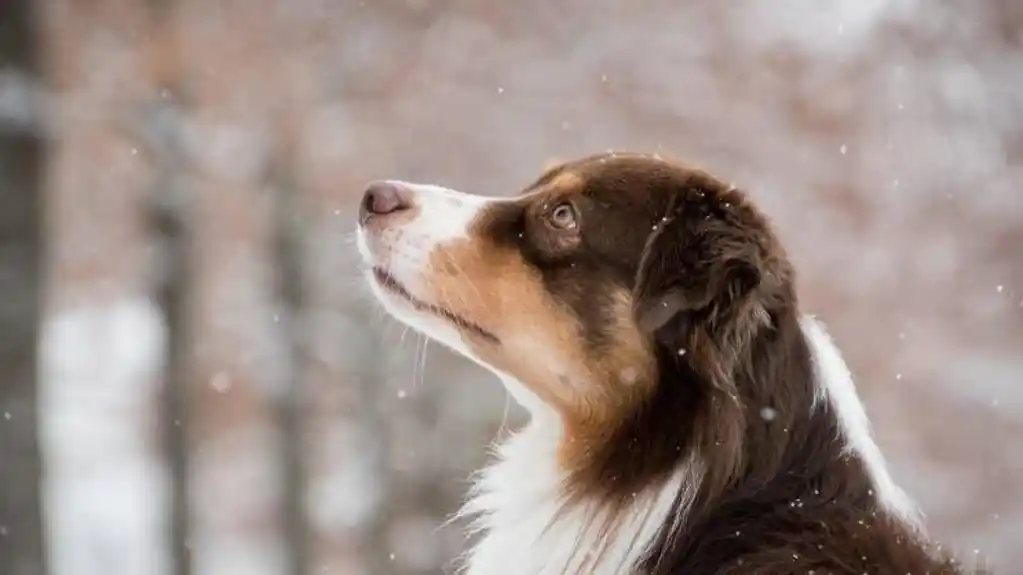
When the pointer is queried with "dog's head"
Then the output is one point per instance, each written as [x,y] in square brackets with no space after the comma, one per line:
[605,281]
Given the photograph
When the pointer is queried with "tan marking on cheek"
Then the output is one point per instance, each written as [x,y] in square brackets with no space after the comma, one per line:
[622,376]
[539,339]
[542,342]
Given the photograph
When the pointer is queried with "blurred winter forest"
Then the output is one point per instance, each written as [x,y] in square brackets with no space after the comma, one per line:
[195,380]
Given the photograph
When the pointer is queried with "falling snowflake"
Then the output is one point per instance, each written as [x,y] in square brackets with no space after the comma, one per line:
[402,394]
[768,414]
[221,382]
[842,150]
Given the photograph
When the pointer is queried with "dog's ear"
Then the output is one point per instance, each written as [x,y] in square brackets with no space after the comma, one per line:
[697,266]
[704,287]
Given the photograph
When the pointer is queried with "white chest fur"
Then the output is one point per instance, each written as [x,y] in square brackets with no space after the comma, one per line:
[518,505]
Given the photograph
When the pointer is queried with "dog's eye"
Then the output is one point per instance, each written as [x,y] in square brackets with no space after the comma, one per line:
[563,217]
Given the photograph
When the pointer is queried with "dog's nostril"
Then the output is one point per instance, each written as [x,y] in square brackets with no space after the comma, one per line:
[382,198]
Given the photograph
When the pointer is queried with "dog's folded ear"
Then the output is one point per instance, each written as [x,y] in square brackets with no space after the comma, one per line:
[697,265]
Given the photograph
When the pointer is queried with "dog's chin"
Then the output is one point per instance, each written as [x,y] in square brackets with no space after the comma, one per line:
[390,290]
[396,300]
[420,315]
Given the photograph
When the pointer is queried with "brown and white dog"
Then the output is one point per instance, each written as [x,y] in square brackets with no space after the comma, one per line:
[686,417]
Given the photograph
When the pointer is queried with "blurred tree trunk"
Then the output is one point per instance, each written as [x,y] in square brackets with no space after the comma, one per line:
[170,223]
[22,149]
[288,259]
[376,534]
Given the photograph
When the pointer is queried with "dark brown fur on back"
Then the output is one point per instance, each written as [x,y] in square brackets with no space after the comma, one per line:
[714,290]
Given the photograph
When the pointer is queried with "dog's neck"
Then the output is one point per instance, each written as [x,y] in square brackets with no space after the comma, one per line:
[530,526]
[532,523]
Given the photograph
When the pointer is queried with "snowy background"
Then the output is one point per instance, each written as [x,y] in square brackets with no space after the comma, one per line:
[884,137]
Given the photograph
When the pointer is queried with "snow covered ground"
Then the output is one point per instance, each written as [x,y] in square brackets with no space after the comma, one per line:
[105,493]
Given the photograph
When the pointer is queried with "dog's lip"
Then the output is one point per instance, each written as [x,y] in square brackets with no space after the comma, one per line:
[392,285]
[387,281]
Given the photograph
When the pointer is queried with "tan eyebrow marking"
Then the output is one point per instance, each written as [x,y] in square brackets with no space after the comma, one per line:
[550,174]
[566,182]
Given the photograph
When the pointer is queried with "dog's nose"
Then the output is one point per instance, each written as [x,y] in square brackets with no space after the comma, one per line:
[383,198]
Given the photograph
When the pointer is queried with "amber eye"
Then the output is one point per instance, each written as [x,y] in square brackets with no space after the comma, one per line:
[563,217]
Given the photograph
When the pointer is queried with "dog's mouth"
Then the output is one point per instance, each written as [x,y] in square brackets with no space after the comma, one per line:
[392,285]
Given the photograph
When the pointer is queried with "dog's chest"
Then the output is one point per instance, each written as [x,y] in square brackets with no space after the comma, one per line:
[528,531]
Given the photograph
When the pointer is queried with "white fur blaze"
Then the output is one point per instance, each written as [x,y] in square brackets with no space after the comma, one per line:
[835,385]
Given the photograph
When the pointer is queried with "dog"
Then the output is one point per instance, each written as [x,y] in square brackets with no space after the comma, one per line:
[685,416]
